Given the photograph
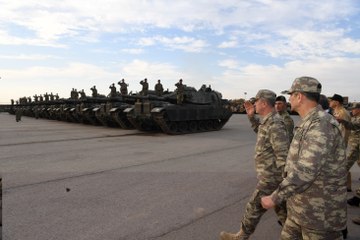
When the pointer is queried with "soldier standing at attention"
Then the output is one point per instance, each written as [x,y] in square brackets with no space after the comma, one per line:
[281,108]
[179,92]
[338,111]
[159,88]
[271,149]
[123,87]
[314,186]
[145,87]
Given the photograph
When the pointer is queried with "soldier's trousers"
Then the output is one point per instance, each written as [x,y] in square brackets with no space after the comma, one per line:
[293,231]
[254,211]
[353,153]
[179,98]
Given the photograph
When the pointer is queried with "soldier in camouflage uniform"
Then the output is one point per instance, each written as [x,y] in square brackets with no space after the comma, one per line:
[281,108]
[145,87]
[314,186]
[270,154]
[353,143]
[179,92]
[338,111]
[159,88]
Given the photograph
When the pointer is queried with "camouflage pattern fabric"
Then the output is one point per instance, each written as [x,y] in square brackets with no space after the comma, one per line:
[354,142]
[315,182]
[270,154]
[289,123]
[342,113]
[294,231]
[304,84]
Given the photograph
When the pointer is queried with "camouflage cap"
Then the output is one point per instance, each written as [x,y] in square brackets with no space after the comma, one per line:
[304,84]
[354,105]
[266,94]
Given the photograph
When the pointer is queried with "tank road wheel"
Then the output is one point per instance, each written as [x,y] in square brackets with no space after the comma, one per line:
[202,126]
[217,124]
[183,127]
[209,125]
[193,126]
[173,127]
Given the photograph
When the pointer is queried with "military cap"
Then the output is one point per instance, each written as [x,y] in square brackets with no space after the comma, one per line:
[280,98]
[354,105]
[337,97]
[266,94]
[304,84]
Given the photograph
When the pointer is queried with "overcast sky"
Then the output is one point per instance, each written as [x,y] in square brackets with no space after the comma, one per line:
[236,46]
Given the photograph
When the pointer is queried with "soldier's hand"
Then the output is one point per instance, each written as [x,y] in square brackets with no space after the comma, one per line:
[267,202]
[249,107]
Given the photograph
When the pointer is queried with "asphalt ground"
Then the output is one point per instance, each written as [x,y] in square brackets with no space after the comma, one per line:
[72,181]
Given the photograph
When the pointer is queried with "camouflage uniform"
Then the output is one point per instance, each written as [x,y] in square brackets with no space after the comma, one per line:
[354,141]
[270,154]
[145,87]
[271,149]
[289,123]
[159,88]
[343,114]
[123,87]
[179,92]
[315,182]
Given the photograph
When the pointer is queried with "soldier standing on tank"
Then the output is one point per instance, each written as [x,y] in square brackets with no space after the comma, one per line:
[314,186]
[123,87]
[112,90]
[145,87]
[94,91]
[281,109]
[271,149]
[46,95]
[159,88]
[82,94]
[179,92]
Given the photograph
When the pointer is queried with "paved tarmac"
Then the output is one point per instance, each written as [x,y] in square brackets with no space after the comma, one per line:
[72,181]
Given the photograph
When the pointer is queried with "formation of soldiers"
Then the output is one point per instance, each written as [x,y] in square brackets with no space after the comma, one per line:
[75,94]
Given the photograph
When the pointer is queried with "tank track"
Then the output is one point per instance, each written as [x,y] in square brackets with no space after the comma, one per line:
[185,127]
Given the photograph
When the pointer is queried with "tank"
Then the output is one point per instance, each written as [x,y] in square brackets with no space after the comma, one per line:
[200,111]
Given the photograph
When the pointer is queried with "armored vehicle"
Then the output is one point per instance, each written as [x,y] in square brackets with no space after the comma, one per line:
[200,110]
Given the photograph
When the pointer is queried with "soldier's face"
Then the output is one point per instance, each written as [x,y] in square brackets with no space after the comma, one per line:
[333,103]
[259,106]
[280,106]
[294,100]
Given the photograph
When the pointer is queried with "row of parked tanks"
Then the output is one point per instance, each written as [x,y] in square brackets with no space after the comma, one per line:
[201,110]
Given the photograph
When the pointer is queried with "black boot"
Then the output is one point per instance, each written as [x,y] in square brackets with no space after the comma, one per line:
[344,233]
[355,201]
